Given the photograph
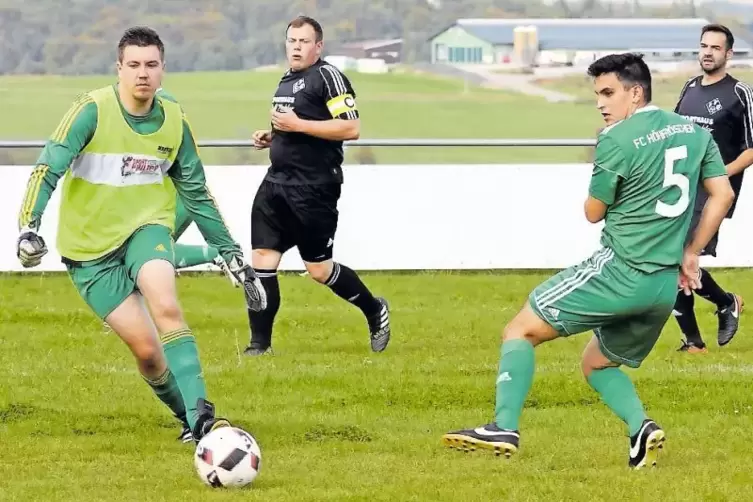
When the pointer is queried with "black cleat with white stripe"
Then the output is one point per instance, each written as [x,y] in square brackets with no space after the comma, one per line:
[379,327]
[729,320]
[645,445]
[488,437]
[207,421]
[186,436]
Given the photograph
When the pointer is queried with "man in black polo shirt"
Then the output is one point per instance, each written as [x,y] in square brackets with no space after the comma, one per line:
[723,105]
[314,111]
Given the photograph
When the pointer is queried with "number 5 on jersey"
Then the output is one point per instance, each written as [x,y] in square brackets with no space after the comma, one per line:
[673,179]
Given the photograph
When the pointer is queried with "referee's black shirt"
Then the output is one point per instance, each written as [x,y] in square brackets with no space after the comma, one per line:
[320,92]
[725,108]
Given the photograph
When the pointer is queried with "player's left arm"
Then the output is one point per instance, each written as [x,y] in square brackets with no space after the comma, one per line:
[608,170]
[189,178]
[745,159]
[340,98]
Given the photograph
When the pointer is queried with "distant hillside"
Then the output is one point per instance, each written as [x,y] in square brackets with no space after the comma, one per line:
[78,36]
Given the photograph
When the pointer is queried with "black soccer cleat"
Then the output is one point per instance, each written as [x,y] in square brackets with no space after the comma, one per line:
[488,437]
[729,320]
[693,347]
[645,445]
[186,436]
[255,349]
[207,422]
[379,327]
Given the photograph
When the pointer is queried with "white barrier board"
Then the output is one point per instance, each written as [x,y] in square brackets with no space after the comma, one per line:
[395,217]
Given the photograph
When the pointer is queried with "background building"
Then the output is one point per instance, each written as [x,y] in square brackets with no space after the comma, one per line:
[567,41]
[388,50]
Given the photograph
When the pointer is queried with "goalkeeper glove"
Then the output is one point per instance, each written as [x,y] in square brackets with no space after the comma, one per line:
[256,297]
[30,247]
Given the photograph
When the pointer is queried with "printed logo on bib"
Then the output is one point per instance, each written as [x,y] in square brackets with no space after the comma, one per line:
[140,166]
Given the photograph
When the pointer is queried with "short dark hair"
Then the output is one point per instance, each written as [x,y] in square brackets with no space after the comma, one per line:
[305,20]
[630,69]
[720,28]
[140,36]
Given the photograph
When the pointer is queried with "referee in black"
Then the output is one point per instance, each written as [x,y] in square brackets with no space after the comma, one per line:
[314,111]
[723,105]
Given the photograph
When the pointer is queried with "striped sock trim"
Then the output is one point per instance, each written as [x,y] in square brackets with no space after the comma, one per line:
[160,380]
[172,336]
[334,276]
[264,272]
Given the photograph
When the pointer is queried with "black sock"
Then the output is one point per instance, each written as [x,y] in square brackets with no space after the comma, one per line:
[685,315]
[347,285]
[261,322]
[711,291]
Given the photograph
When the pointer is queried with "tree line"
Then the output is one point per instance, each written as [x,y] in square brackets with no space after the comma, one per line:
[79,36]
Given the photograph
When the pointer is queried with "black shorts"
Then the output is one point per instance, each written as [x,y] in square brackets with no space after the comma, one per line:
[305,216]
[710,249]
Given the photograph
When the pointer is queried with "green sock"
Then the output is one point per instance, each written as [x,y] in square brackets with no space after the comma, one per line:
[513,382]
[189,256]
[618,393]
[183,359]
[166,389]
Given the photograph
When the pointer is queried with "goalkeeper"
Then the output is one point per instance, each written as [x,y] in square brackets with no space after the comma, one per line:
[119,147]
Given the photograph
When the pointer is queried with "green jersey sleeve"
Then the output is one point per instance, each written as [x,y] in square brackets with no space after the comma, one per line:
[190,182]
[712,164]
[70,137]
[609,168]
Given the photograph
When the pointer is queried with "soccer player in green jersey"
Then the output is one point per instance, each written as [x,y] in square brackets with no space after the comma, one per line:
[647,167]
[125,154]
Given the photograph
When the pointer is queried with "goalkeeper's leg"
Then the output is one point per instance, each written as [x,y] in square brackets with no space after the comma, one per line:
[106,288]
[154,274]
[133,324]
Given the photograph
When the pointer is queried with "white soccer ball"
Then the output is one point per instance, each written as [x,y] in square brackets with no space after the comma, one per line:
[227,457]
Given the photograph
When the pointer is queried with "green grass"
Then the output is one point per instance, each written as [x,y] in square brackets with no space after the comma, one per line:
[231,105]
[336,422]
[403,104]
[666,87]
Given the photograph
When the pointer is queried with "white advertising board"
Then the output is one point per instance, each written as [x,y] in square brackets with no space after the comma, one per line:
[403,217]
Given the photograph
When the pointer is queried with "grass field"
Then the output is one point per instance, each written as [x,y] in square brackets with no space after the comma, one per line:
[666,87]
[234,104]
[398,105]
[337,422]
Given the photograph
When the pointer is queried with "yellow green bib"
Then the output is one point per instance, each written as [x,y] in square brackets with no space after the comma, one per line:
[119,182]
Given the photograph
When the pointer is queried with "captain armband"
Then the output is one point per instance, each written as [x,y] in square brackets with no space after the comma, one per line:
[344,104]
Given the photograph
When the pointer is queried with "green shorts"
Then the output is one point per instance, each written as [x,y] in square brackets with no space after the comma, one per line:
[626,308]
[106,282]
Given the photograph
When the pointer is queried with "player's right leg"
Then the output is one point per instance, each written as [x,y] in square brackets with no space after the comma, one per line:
[684,310]
[149,263]
[514,378]
[684,314]
[271,227]
[106,288]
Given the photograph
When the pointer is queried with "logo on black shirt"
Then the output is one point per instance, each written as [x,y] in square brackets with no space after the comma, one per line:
[714,106]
